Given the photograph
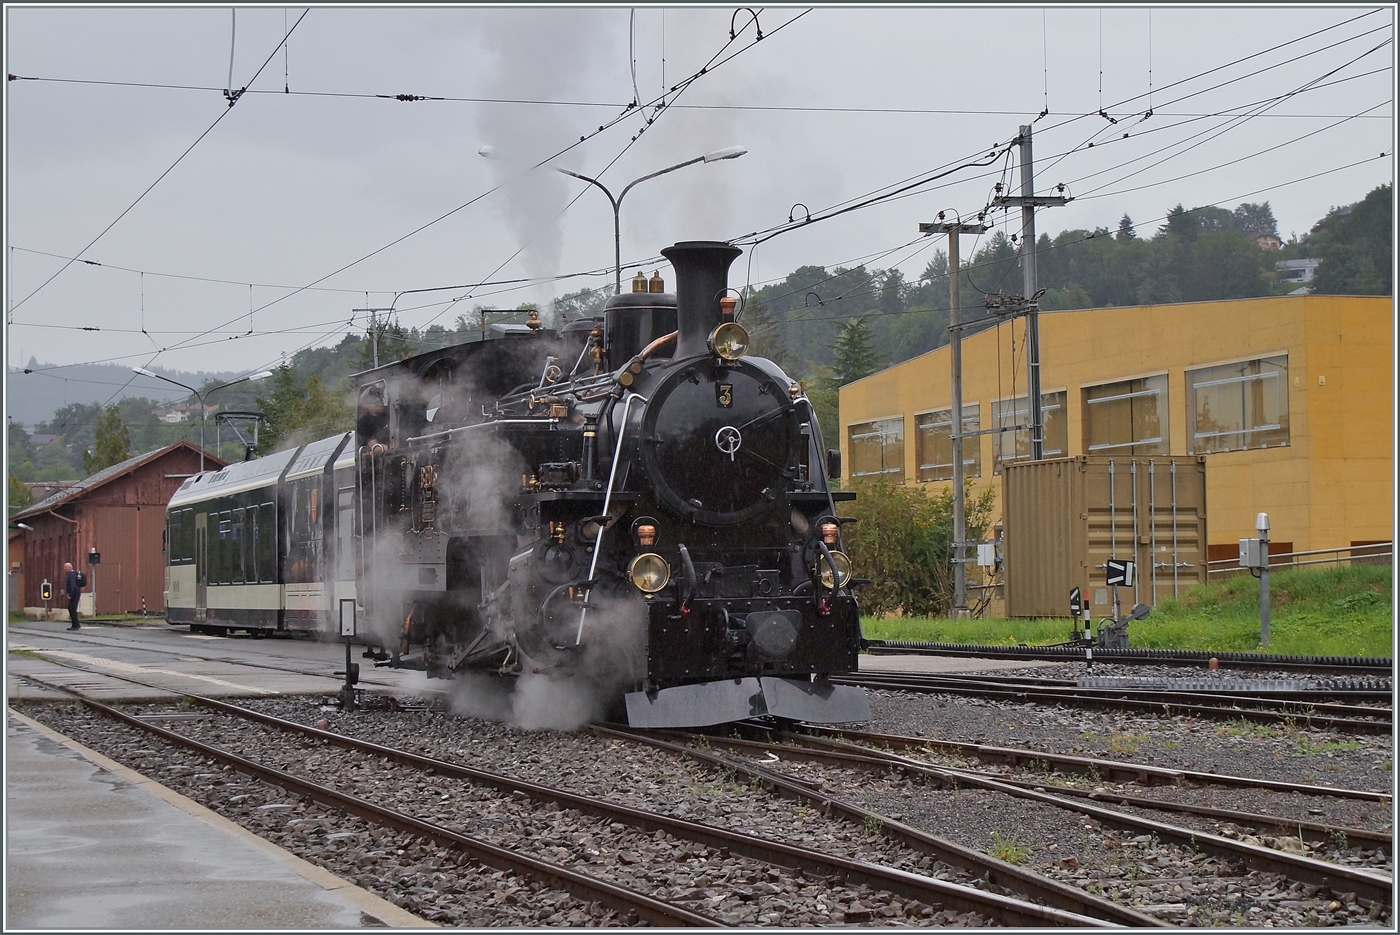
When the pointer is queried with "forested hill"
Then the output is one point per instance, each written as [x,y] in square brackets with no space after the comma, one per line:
[1198,254]
[824,326]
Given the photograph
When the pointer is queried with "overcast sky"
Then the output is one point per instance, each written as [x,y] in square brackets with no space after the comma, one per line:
[290,190]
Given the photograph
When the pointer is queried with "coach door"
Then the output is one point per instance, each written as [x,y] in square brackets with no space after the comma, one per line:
[201,565]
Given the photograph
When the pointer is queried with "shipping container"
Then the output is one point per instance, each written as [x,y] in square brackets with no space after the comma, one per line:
[1065,518]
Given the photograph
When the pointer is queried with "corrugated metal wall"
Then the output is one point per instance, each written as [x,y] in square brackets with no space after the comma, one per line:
[1066,517]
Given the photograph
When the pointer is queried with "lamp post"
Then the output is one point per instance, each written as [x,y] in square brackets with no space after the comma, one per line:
[730,152]
[203,416]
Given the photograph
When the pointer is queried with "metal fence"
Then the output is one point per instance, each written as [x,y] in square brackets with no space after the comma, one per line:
[1374,554]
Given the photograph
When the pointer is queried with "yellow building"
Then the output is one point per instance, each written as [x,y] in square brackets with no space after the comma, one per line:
[1290,398]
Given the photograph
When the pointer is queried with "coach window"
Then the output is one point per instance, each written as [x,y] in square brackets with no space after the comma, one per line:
[1127,418]
[933,445]
[877,449]
[1011,418]
[224,550]
[236,563]
[1234,407]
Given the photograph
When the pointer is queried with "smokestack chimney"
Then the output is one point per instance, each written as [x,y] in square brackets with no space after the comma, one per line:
[702,275]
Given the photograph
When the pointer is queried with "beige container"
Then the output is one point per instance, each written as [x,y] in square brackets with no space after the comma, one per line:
[1065,518]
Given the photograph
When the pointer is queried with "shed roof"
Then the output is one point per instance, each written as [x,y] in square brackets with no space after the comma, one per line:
[106,475]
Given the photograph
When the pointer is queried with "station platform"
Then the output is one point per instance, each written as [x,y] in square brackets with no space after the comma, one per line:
[94,845]
[946,665]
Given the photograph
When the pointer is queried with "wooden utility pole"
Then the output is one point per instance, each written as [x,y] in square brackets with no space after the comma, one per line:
[1028,202]
[955,230]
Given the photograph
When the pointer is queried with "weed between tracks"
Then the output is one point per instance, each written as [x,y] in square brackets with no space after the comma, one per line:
[1008,849]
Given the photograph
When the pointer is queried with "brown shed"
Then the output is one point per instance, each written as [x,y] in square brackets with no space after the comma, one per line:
[120,512]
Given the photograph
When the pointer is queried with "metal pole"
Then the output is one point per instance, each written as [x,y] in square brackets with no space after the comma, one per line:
[1133,505]
[1029,279]
[1176,557]
[1112,531]
[1152,528]
[203,418]
[960,610]
[617,247]
[955,230]
[1264,587]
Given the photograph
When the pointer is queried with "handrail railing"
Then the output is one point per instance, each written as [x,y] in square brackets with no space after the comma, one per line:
[1379,553]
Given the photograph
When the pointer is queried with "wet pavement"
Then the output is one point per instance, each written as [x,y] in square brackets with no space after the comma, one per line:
[91,844]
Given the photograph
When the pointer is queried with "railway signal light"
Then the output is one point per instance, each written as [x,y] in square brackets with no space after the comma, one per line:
[46,592]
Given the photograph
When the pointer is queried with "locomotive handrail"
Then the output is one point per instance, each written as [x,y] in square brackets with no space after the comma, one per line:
[477,425]
[607,504]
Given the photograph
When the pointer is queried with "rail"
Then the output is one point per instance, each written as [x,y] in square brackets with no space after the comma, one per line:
[1378,553]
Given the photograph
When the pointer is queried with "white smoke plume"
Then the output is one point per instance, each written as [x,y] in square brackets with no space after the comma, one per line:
[538,55]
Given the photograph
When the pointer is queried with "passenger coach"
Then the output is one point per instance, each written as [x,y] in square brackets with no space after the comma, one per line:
[224,570]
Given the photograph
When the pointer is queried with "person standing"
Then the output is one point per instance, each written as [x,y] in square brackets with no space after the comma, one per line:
[73,584]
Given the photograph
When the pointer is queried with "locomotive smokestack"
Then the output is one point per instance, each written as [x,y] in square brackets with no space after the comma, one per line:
[702,275]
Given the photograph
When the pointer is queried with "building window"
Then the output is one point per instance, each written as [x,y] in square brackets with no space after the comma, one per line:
[1012,439]
[933,444]
[1127,418]
[877,449]
[1239,406]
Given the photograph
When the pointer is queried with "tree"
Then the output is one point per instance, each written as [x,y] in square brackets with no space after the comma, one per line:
[19,496]
[1125,228]
[1354,244]
[853,355]
[903,543]
[586,303]
[1255,219]
[299,411]
[111,443]
[764,339]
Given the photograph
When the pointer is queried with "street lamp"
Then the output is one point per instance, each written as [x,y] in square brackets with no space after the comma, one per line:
[203,417]
[729,152]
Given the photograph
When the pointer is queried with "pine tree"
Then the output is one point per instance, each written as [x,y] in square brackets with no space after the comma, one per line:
[1125,229]
[764,337]
[853,353]
[112,443]
[298,411]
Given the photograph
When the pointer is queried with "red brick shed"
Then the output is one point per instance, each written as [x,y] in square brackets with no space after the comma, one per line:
[120,511]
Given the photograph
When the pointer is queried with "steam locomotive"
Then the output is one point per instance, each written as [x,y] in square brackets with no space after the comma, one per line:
[631,502]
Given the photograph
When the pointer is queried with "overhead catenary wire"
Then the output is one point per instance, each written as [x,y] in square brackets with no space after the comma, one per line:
[1353,118]
[713,63]
[158,180]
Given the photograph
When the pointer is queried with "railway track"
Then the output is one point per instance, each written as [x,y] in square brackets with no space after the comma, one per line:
[1340,665]
[1374,888]
[1279,706]
[1371,885]
[811,864]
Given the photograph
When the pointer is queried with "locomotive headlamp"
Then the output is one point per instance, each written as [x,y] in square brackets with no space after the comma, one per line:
[729,341]
[843,570]
[649,572]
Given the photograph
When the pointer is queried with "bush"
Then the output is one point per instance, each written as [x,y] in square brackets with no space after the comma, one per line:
[903,542]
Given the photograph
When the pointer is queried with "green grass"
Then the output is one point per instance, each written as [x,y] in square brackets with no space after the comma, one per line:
[1330,612]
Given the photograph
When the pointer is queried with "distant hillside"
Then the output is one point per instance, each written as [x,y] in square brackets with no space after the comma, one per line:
[35,397]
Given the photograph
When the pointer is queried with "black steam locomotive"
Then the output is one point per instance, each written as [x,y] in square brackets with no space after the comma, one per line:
[631,501]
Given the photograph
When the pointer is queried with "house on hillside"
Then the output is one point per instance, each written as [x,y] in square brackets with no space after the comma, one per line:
[120,513]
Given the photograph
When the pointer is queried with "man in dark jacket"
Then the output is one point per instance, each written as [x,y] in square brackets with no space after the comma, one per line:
[74,589]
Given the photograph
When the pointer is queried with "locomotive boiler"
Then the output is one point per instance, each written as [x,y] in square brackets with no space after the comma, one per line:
[632,500]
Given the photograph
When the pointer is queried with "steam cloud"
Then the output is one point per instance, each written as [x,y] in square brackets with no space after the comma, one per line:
[542,58]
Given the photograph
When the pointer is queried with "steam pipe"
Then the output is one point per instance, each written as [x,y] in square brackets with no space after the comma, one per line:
[607,503]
